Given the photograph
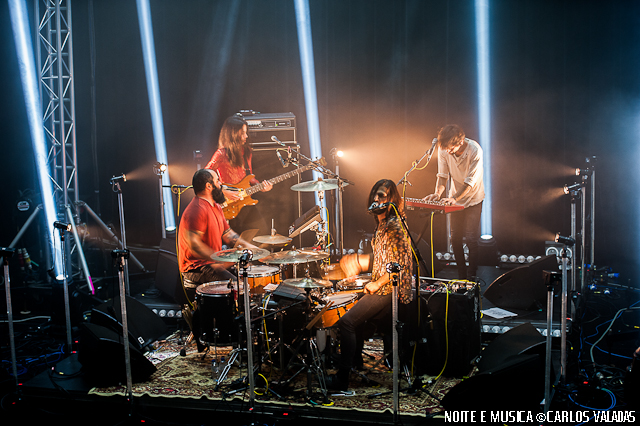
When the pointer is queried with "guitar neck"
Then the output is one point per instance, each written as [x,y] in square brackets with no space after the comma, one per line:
[260,186]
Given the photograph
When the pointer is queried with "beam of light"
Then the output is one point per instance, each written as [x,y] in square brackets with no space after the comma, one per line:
[484,106]
[28,75]
[305,45]
[153,89]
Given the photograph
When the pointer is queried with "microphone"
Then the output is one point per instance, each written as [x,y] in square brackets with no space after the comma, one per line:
[433,147]
[376,208]
[62,225]
[276,140]
[122,177]
[284,163]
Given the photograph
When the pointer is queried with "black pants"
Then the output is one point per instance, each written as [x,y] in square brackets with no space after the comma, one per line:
[466,224]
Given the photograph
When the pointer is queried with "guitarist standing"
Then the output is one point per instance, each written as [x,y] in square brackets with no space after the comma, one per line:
[232,160]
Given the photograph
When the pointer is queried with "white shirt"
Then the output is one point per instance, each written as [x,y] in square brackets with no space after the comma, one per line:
[464,169]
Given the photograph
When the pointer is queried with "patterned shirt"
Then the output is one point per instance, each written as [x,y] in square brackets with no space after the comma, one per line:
[390,244]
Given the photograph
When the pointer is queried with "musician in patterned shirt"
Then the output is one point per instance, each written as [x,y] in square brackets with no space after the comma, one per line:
[390,245]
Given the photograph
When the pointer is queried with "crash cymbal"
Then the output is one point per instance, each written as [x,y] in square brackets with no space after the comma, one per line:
[308,283]
[235,254]
[272,239]
[315,185]
[295,256]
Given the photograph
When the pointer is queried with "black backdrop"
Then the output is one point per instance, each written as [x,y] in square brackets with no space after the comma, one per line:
[389,73]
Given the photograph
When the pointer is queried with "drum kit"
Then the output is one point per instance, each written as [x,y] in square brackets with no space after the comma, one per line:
[321,303]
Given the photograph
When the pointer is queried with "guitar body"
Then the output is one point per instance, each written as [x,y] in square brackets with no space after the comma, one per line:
[232,208]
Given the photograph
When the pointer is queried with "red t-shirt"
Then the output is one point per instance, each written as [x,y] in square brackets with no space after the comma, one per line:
[228,174]
[201,216]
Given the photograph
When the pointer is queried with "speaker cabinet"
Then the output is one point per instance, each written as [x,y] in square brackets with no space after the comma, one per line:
[510,377]
[450,332]
[144,326]
[522,287]
[167,278]
[101,353]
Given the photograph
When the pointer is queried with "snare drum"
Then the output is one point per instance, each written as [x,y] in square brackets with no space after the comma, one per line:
[259,276]
[215,310]
[354,284]
[342,302]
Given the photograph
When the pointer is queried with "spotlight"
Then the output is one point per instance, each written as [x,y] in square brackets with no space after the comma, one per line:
[62,225]
[339,154]
[122,177]
[572,188]
[568,241]
[159,168]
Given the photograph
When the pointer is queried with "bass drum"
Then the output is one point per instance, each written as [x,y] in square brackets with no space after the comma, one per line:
[213,319]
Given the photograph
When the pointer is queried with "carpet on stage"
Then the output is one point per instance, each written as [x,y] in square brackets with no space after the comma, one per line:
[189,376]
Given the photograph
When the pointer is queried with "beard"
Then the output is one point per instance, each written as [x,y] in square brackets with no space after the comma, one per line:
[218,195]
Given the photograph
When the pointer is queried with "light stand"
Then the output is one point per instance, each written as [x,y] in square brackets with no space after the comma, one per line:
[6,253]
[121,256]
[568,242]
[575,191]
[159,169]
[550,278]
[65,227]
[115,181]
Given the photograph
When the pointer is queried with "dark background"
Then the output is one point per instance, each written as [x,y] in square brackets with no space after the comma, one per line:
[564,84]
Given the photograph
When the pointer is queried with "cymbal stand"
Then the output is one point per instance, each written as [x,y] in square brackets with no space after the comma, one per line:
[243,262]
[315,364]
[6,253]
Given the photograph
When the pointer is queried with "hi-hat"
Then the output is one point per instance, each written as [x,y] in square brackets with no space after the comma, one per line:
[308,283]
[235,254]
[316,185]
[295,256]
[272,239]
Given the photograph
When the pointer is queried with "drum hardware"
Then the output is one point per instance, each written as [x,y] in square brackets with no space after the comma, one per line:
[273,238]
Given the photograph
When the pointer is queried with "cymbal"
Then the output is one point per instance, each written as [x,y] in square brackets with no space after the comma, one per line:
[295,256]
[335,182]
[308,282]
[272,239]
[315,185]
[234,254]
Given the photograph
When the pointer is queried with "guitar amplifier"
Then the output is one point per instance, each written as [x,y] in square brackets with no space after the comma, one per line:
[262,126]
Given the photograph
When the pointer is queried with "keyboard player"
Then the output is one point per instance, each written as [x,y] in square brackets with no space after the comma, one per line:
[460,159]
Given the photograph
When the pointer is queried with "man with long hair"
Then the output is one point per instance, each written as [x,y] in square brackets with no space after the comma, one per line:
[460,159]
[232,160]
[391,244]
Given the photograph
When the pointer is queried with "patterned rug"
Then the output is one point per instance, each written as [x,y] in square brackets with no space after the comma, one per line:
[190,376]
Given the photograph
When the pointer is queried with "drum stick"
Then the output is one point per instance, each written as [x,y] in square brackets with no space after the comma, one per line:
[319,315]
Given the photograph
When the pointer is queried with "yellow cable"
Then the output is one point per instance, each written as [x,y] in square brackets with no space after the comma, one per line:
[446,334]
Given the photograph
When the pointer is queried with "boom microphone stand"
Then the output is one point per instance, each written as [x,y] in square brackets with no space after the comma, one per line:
[115,181]
[121,256]
[394,269]
[65,227]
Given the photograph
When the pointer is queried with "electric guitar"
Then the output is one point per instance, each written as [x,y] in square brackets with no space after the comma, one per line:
[231,208]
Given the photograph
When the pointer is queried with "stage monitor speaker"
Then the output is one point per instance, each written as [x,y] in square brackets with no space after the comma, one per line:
[522,287]
[144,326]
[101,353]
[510,375]
[167,278]
[461,345]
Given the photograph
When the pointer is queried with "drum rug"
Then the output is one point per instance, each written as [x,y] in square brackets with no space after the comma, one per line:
[190,376]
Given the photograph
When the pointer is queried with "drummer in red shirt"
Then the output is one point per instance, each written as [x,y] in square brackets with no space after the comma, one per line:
[203,229]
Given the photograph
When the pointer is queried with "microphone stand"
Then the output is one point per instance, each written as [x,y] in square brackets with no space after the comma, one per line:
[121,256]
[427,154]
[123,236]
[65,288]
[394,269]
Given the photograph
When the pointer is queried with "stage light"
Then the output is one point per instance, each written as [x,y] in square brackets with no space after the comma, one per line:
[153,90]
[504,258]
[484,106]
[567,241]
[340,154]
[305,45]
[28,76]
[572,188]
[159,168]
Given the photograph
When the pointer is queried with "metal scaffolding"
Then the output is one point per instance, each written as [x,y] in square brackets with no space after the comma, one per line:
[54,60]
